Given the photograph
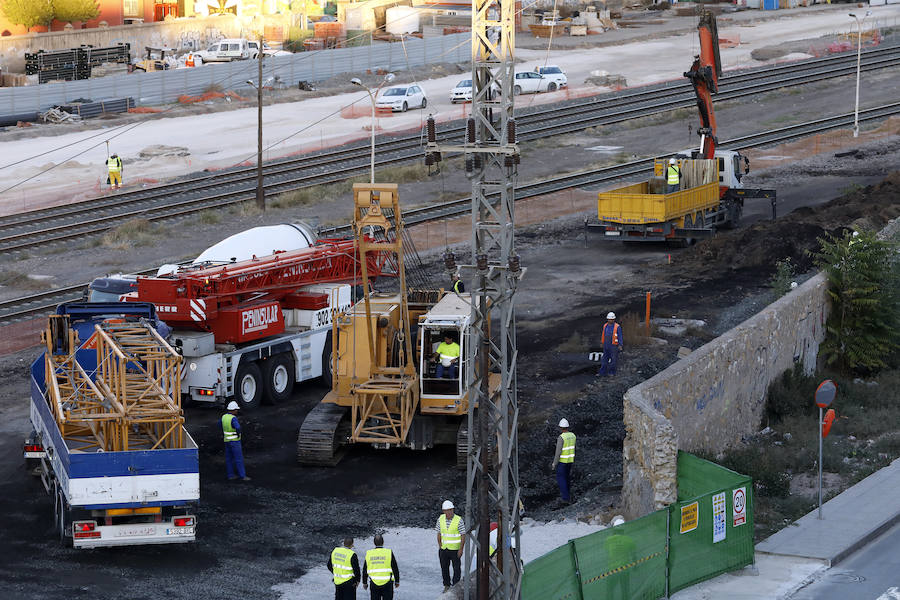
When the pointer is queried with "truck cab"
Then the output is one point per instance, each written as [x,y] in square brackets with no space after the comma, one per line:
[732,166]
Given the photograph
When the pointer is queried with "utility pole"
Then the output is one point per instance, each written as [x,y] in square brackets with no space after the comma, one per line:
[260,193]
[491,162]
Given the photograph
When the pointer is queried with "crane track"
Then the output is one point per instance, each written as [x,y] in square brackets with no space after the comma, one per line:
[186,197]
[38,304]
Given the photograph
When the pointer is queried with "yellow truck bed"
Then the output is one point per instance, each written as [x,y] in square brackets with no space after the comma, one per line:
[636,205]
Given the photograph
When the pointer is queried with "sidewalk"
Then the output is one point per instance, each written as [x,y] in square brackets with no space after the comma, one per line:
[789,558]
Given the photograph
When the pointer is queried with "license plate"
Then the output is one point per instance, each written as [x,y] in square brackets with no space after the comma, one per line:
[135,531]
[180,531]
[612,233]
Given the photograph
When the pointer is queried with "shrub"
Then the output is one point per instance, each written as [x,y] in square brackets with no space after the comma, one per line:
[783,277]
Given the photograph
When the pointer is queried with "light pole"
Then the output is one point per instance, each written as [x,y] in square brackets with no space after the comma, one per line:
[356,81]
[260,193]
[859,23]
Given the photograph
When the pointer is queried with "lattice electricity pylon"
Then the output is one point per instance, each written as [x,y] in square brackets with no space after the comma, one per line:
[491,159]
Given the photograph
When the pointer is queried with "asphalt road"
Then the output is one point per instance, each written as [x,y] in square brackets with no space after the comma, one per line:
[868,574]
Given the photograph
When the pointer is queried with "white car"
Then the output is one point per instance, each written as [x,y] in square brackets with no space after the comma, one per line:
[402,98]
[226,50]
[556,76]
[463,91]
[529,82]
[268,51]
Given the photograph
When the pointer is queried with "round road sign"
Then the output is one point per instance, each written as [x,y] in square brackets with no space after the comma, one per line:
[825,393]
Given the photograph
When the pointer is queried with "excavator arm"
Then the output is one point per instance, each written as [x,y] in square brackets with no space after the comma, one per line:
[704,76]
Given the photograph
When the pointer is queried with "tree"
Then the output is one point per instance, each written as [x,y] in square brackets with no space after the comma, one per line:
[28,13]
[75,10]
[863,329]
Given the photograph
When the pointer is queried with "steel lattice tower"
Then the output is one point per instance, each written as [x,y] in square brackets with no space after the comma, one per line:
[492,156]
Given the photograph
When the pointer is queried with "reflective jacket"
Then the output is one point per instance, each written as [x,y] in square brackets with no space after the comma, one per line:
[616,334]
[673,175]
[342,565]
[450,350]
[451,537]
[378,566]
[114,165]
[231,434]
[568,450]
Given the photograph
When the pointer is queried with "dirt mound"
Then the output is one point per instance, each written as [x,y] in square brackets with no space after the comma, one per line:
[761,245]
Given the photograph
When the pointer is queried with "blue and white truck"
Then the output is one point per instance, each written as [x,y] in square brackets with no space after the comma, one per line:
[108,498]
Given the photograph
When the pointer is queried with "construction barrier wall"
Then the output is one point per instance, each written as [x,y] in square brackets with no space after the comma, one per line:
[707,532]
[163,87]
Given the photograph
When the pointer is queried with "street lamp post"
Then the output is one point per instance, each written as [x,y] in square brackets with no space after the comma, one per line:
[356,81]
[859,23]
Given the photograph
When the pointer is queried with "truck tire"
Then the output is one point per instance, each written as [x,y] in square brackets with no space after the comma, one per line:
[63,518]
[248,385]
[279,375]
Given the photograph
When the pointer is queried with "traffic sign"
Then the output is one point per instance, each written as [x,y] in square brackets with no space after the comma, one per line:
[825,393]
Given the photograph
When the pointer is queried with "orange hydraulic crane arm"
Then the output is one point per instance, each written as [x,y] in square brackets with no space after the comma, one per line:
[704,75]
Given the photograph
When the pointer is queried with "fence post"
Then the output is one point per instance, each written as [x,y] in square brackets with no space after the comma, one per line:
[668,543]
[577,569]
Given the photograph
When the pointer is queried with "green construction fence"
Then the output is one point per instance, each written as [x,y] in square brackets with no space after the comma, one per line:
[707,532]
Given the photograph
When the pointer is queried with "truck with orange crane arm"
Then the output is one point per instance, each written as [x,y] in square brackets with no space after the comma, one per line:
[710,194]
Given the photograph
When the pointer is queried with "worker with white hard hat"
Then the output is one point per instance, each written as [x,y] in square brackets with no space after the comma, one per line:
[621,554]
[563,460]
[234,456]
[450,538]
[673,176]
[611,339]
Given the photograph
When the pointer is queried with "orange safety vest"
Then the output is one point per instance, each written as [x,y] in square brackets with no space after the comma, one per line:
[189,61]
[615,336]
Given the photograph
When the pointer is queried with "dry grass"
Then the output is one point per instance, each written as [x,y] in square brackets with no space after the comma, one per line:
[17,279]
[329,193]
[403,173]
[574,344]
[634,331]
[209,217]
[136,232]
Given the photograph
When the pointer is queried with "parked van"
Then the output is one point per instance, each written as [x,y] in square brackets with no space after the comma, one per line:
[226,50]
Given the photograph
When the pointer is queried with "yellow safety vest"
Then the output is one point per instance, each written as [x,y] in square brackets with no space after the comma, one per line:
[446,350]
[568,450]
[230,434]
[114,165]
[378,566]
[341,567]
[456,286]
[451,538]
[673,175]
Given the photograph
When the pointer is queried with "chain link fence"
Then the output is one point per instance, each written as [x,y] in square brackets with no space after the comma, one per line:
[709,531]
[164,87]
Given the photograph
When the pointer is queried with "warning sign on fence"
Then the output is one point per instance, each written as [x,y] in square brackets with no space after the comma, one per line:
[739,507]
[718,509]
[689,515]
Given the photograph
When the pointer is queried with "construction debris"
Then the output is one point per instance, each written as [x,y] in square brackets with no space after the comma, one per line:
[55,115]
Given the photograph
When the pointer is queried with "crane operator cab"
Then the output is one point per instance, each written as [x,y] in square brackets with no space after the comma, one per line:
[443,354]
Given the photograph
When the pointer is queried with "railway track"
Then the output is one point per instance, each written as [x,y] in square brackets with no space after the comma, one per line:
[186,197]
[38,304]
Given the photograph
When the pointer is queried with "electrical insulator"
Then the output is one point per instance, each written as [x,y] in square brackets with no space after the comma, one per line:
[481,261]
[450,261]
[508,161]
[514,263]
[430,128]
[429,159]
[470,164]
[511,131]
[517,158]
[470,131]
[478,162]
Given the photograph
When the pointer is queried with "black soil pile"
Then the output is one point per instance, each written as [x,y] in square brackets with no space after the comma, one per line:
[793,236]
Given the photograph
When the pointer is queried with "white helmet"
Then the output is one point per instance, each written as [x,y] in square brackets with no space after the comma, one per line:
[233,406]
[563,423]
[671,161]
[617,520]
[447,505]
[610,315]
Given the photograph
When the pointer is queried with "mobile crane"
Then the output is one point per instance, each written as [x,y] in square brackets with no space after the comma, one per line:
[711,195]
[250,329]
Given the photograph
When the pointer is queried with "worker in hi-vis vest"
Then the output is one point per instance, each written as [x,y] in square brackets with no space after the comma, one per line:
[450,534]
[673,176]
[381,567]
[234,456]
[563,460]
[458,286]
[114,168]
[447,357]
[344,566]
[611,340]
